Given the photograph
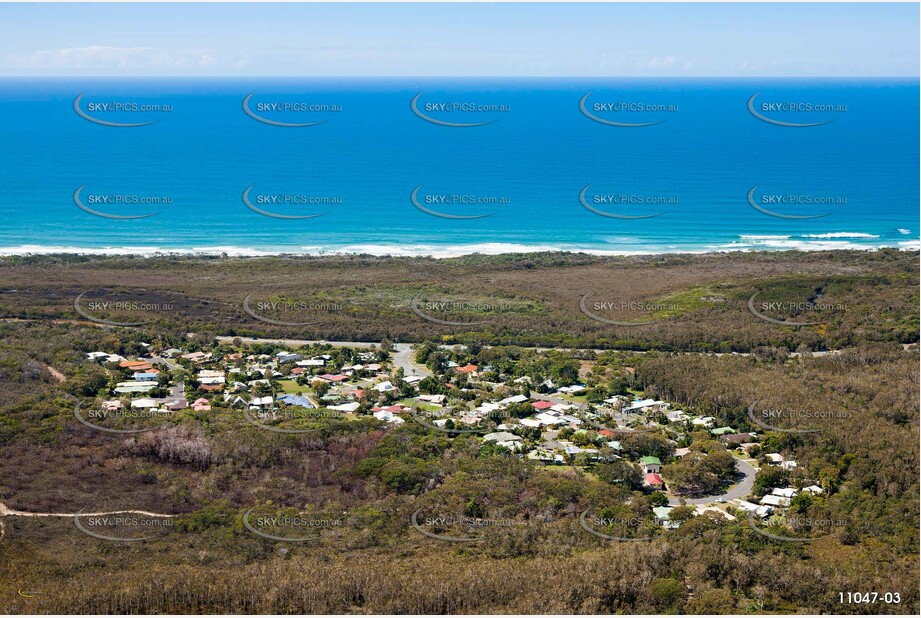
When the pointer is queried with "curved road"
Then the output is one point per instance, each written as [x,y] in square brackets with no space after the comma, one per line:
[737,491]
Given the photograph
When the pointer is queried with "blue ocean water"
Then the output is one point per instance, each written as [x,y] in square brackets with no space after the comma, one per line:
[698,165]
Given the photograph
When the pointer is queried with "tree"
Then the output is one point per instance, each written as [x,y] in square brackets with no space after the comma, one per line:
[681,514]
[87,382]
[657,498]
[320,387]
[643,443]
[666,593]
[767,478]
[713,601]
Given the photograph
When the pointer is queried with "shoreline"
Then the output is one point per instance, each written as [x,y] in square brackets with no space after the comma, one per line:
[446,252]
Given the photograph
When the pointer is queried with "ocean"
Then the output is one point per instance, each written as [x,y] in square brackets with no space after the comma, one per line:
[447,167]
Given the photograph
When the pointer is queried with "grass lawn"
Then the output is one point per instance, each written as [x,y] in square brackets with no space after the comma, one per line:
[290,387]
[422,405]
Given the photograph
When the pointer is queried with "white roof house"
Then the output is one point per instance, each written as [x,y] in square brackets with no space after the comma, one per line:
[644,404]
[501,436]
[346,407]
[545,418]
[311,362]
[761,511]
[385,387]
[432,398]
[134,387]
[390,417]
[772,500]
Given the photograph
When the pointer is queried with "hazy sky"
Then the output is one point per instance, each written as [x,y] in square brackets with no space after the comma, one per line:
[870,39]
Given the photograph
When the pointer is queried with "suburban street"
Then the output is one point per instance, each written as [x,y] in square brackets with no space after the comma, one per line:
[401,351]
[737,491]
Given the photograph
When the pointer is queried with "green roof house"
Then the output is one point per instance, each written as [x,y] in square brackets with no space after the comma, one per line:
[651,465]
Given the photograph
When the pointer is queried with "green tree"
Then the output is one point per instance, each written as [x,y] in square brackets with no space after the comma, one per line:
[666,592]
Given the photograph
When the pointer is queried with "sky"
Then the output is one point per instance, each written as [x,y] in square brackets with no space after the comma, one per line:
[420,40]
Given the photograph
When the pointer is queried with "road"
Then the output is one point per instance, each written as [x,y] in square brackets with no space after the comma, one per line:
[402,358]
[177,391]
[402,352]
[6,511]
[737,491]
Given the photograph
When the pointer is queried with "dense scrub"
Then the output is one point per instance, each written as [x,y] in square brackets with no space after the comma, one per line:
[210,468]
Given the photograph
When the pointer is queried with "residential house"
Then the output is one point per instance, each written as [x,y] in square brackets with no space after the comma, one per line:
[504,438]
[775,501]
[645,406]
[662,514]
[651,465]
